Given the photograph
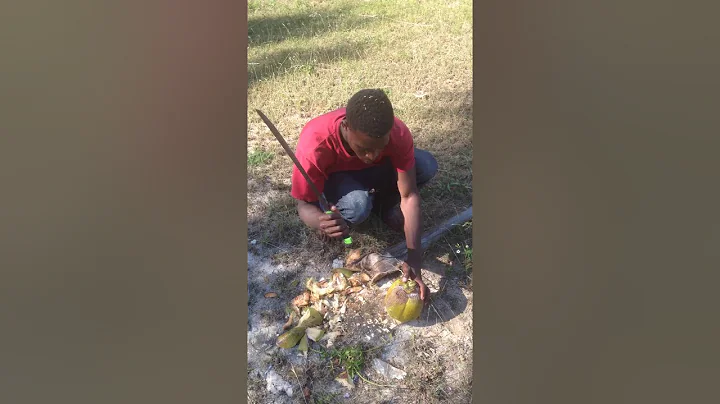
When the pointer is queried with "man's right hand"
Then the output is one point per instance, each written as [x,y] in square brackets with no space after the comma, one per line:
[333,225]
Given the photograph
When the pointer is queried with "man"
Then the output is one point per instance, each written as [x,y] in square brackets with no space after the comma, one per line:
[363,160]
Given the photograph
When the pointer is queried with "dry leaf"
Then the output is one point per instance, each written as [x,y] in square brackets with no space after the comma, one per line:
[270,294]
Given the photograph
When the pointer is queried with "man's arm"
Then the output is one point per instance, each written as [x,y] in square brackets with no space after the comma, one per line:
[332,225]
[410,207]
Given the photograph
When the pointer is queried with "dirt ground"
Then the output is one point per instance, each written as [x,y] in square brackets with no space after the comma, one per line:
[434,351]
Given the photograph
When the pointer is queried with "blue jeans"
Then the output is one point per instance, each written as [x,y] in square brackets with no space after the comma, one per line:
[350,191]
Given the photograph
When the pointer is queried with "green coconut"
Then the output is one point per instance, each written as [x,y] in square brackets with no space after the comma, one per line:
[402,301]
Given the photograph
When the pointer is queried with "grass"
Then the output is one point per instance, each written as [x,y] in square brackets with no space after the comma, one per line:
[349,358]
[307,57]
[258,158]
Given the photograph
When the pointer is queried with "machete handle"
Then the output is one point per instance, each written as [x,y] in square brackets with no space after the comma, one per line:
[346,240]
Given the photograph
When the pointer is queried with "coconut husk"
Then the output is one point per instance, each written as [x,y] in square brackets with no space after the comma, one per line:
[302,300]
[352,257]
[378,266]
[290,338]
[339,282]
[352,290]
[356,281]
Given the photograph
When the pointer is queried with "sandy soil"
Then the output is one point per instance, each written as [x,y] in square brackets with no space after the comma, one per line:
[434,351]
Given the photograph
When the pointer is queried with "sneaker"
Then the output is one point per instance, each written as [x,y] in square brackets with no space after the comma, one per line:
[394,219]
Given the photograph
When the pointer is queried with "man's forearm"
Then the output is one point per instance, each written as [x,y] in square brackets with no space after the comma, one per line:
[410,207]
[309,214]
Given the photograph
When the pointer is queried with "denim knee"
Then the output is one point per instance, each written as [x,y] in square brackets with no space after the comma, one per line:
[426,166]
[355,206]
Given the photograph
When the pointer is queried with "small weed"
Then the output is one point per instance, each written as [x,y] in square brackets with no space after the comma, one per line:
[259,158]
[349,358]
[466,254]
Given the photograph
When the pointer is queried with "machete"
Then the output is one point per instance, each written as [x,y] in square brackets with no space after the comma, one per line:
[324,205]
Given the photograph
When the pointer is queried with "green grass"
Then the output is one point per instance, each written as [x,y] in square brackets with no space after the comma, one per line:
[307,57]
[259,158]
[348,358]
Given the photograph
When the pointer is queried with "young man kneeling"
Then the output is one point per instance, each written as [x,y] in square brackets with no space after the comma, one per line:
[362,158]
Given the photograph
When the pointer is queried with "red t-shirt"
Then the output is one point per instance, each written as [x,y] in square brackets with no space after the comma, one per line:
[321,153]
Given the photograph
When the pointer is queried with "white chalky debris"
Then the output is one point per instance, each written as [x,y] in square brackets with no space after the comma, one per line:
[388,370]
[276,384]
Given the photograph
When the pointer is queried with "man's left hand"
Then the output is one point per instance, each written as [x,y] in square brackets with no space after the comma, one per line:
[413,273]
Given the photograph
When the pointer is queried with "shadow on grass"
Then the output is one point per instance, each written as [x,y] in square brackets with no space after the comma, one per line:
[304,24]
[276,63]
[450,192]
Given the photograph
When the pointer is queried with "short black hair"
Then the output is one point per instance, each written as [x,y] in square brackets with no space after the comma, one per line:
[370,111]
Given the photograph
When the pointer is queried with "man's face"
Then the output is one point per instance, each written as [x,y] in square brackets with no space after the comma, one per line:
[367,148]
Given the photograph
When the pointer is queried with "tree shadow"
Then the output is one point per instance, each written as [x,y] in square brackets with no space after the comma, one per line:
[308,24]
[450,191]
[307,58]
[277,63]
